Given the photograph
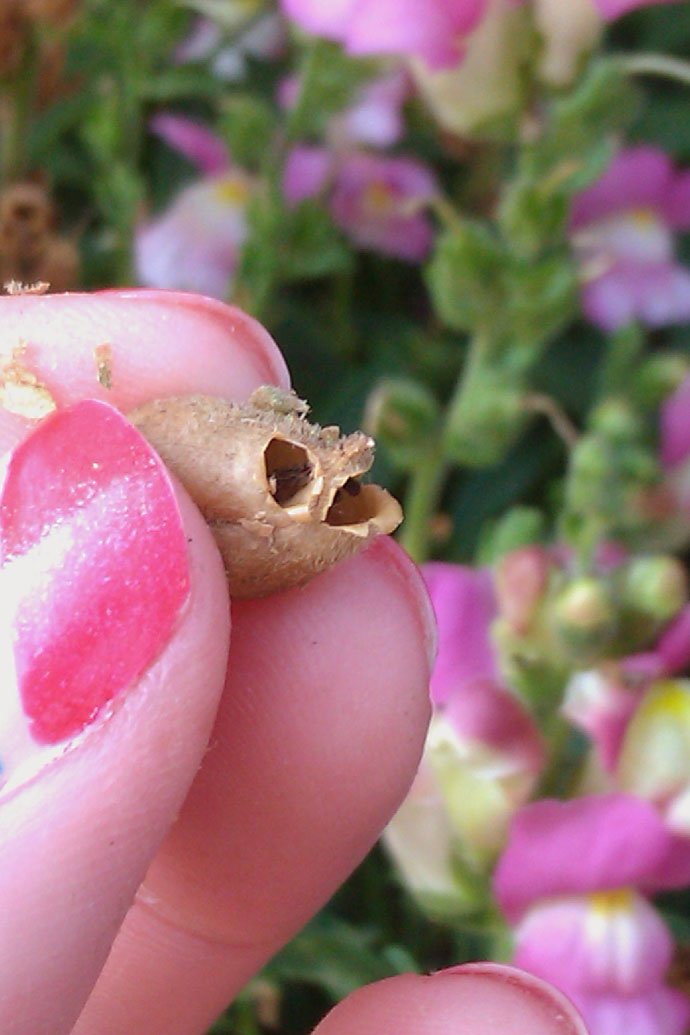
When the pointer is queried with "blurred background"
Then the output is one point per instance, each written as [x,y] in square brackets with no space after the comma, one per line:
[471,241]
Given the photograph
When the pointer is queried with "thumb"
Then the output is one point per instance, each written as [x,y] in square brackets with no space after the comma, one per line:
[114,625]
[474,999]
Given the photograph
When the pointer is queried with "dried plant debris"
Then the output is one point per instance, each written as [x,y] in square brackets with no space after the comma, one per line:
[21,391]
[283,497]
[16,287]
[103,357]
[30,250]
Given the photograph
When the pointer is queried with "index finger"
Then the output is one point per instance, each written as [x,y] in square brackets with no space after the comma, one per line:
[161,343]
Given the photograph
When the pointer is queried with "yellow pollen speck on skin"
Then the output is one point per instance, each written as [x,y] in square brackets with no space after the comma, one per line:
[21,391]
[103,356]
[232,192]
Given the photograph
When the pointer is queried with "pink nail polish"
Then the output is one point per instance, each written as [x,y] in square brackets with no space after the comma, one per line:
[93,574]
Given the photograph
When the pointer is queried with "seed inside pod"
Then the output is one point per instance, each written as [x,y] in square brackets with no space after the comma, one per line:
[283,497]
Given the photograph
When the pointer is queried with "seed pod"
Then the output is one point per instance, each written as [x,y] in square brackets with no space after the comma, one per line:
[30,251]
[282,497]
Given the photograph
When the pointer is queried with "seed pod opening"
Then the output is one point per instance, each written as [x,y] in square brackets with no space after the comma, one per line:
[283,497]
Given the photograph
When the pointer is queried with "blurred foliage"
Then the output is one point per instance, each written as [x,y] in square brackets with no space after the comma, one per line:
[354,323]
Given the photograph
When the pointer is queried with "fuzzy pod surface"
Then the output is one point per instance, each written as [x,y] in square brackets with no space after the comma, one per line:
[282,497]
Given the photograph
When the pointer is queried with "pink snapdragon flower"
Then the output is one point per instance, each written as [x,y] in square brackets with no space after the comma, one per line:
[622,232]
[373,118]
[483,753]
[195,244]
[464,602]
[603,701]
[567,881]
[377,201]
[434,30]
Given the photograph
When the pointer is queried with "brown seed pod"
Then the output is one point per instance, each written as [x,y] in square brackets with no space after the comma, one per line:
[29,249]
[282,497]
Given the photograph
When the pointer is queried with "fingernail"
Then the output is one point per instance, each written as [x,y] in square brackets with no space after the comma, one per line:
[413,586]
[532,1004]
[93,574]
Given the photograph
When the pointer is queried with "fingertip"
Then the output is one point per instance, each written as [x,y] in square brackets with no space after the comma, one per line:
[467,1000]
[385,551]
[244,330]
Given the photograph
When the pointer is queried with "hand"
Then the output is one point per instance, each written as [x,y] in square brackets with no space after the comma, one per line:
[212,805]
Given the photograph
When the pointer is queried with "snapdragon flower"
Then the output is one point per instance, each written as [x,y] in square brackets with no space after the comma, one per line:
[376,199]
[569,882]
[622,230]
[482,757]
[195,244]
[434,30]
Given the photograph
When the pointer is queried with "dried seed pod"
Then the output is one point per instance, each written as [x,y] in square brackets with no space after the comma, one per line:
[282,497]
[29,249]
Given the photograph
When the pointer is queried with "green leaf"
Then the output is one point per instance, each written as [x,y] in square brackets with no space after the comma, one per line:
[181,82]
[335,956]
[465,276]
[543,299]
[579,125]
[248,124]
[310,245]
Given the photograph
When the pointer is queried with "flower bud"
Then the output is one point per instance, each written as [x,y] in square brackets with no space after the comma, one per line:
[659,376]
[402,415]
[652,591]
[521,578]
[282,497]
[584,618]
[485,420]
[615,420]
[569,29]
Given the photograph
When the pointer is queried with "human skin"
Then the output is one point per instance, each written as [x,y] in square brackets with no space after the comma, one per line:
[155,866]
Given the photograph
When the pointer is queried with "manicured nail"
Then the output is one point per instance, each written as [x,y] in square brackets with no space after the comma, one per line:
[93,574]
[528,1003]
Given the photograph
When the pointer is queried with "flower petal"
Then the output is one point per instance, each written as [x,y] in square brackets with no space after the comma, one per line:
[638,177]
[464,603]
[593,843]
[197,143]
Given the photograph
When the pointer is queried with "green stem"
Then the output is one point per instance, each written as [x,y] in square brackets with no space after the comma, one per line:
[421,503]
[427,479]
[657,64]
[16,114]
[310,69]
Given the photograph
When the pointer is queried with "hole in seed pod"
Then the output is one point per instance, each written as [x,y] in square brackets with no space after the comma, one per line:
[354,504]
[288,472]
